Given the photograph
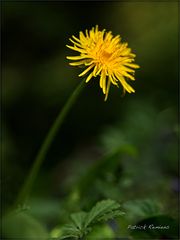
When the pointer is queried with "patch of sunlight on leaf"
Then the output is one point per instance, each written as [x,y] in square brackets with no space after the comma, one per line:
[56,232]
[102,231]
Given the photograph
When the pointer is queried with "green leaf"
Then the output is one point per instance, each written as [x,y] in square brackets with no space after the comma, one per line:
[111,215]
[102,231]
[82,221]
[142,208]
[101,209]
[78,219]
[68,236]
[70,230]
[21,225]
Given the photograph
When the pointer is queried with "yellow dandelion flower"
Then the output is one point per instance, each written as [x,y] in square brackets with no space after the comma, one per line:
[106,56]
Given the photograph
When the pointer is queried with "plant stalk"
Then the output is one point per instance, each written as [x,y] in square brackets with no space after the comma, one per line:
[28,184]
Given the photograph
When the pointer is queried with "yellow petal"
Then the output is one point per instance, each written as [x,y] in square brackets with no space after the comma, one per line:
[125,84]
[99,70]
[127,75]
[103,81]
[108,36]
[104,84]
[85,71]
[77,44]
[113,80]
[82,37]
[133,65]
[95,70]
[107,91]
[115,40]
[125,51]
[77,49]
[77,63]
[89,77]
[77,39]
[126,69]
[123,46]
[76,57]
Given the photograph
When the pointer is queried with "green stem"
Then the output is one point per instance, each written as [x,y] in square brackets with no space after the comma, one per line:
[27,187]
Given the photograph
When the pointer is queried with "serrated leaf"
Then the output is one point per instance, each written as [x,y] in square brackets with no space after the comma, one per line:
[139,209]
[101,208]
[81,221]
[67,236]
[110,215]
[78,219]
[70,230]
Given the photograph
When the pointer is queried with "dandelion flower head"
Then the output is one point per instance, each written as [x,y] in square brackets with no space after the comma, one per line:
[106,56]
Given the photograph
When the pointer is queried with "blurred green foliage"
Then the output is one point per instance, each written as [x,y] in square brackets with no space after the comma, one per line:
[83,222]
[125,149]
[19,225]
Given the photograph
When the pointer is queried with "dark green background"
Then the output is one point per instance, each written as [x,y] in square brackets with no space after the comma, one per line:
[37,81]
